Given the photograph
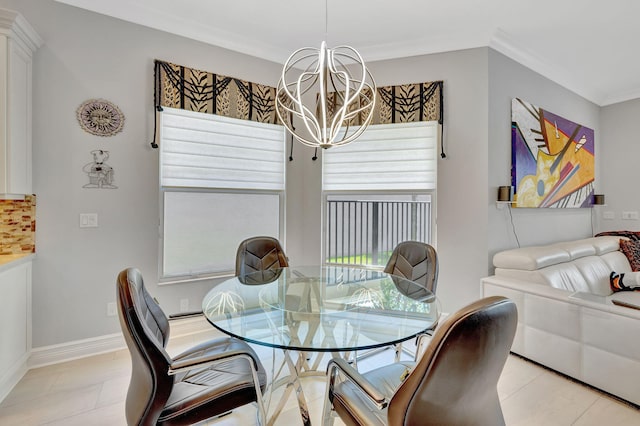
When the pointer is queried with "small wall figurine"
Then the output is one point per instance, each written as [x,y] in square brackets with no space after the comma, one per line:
[99,172]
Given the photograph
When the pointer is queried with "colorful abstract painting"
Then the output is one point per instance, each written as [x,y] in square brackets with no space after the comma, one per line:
[552,159]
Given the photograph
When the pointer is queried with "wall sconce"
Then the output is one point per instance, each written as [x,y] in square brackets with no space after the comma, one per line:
[598,199]
[504,193]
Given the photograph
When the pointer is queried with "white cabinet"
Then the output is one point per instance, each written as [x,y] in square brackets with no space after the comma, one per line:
[15,323]
[18,41]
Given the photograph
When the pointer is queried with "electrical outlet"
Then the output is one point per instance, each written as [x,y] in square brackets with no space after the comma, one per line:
[630,215]
[608,215]
[184,305]
[111,309]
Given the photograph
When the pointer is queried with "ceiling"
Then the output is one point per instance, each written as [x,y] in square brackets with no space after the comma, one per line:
[587,46]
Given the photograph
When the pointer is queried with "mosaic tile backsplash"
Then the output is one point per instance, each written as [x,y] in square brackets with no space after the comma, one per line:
[18,225]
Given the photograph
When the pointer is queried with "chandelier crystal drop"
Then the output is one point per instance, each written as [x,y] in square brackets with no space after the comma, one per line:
[345,95]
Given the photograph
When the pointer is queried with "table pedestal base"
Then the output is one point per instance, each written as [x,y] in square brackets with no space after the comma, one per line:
[299,368]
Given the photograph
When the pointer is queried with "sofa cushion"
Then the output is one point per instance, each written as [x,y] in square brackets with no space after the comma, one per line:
[578,248]
[578,266]
[530,258]
[565,276]
[537,257]
[596,273]
[631,249]
[605,244]
[616,261]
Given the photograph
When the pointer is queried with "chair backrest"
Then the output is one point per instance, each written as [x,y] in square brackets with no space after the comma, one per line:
[146,331]
[259,254]
[455,381]
[415,261]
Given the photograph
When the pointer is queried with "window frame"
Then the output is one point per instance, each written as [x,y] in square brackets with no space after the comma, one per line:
[175,279]
[163,278]
[382,193]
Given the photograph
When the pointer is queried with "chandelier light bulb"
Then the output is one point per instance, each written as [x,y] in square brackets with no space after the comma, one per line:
[344,95]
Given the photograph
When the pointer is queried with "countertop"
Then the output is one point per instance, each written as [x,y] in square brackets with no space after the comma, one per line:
[10,260]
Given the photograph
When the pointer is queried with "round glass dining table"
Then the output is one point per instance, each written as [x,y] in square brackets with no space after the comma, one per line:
[318,309]
[321,308]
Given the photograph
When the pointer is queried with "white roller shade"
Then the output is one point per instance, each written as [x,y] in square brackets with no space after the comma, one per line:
[399,156]
[210,151]
[201,231]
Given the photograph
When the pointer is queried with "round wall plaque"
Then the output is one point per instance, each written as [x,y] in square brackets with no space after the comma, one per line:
[100,117]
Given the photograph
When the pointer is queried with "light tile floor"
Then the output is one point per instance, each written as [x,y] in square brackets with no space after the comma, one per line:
[91,391]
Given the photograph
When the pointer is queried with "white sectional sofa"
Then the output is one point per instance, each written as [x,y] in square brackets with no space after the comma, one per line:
[567,320]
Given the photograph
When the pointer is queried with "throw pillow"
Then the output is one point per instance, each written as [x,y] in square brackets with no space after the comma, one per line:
[615,281]
[631,249]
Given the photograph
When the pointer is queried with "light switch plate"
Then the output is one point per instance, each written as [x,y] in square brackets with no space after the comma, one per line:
[88,220]
[608,215]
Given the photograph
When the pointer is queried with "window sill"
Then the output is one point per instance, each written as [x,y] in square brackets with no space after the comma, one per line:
[194,278]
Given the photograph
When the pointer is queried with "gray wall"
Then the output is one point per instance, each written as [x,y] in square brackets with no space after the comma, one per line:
[620,154]
[461,200]
[507,80]
[90,56]
[461,212]
[86,56]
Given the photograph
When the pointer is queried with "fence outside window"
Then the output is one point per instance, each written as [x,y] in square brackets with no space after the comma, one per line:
[365,232]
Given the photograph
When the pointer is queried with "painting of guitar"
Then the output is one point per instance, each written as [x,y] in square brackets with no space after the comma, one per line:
[552,159]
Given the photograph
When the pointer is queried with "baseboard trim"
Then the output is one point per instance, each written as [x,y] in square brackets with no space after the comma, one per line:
[69,351]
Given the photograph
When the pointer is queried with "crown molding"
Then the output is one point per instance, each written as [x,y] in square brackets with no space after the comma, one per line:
[14,25]
[505,44]
[621,97]
[382,52]
[146,14]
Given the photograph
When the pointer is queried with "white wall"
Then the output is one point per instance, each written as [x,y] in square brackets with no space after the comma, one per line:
[507,80]
[620,153]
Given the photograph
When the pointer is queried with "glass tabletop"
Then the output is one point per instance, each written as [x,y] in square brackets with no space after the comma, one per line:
[321,308]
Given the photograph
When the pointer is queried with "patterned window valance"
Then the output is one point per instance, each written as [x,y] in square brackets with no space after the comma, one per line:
[404,103]
[181,87]
[409,102]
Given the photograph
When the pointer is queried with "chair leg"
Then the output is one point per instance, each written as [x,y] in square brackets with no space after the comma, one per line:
[360,356]
[399,349]
[328,415]
[261,412]
[420,341]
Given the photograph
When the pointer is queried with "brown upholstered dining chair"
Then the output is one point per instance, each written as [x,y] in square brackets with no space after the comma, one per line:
[208,380]
[257,254]
[454,383]
[417,262]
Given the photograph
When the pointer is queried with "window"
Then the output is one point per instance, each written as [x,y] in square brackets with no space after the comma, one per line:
[222,180]
[378,192]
